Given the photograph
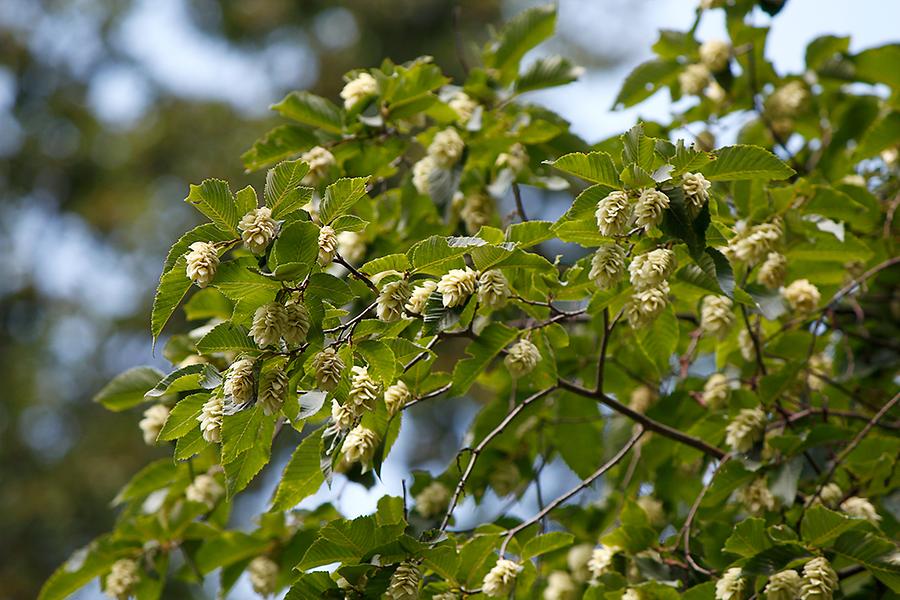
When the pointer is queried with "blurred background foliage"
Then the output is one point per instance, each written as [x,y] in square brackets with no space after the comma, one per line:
[108,110]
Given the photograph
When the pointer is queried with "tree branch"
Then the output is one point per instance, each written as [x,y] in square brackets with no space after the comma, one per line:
[585,483]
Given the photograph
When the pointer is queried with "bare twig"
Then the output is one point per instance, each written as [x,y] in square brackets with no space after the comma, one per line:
[685,533]
[476,451]
[520,206]
[353,271]
[584,483]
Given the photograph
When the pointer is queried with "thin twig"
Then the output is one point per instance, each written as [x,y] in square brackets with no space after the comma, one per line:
[476,451]
[520,206]
[685,532]
[584,483]
[353,271]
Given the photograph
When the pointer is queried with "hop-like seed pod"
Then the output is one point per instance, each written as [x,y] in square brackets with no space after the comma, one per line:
[784,585]
[296,323]
[631,594]
[818,369]
[493,289]
[351,246]
[239,381]
[258,229]
[694,79]
[433,500]
[802,296]
[446,596]
[477,211]
[463,105]
[343,415]
[446,148]
[122,579]
[772,271]
[363,389]
[320,163]
[202,262]
[358,89]
[746,428]
[642,397]
[273,390]
[577,560]
[716,316]
[404,583]
[327,245]
[521,358]
[652,268]
[745,344]
[601,560]
[717,94]
[360,445]
[648,211]
[608,266]
[419,297]
[653,508]
[456,286]
[205,490]
[515,159]
[715,54]
[647,304]
[716,391]
[756,243]
[329,367]
[390,302]
[860,508]
[210,419]
[421,174]
[560,586]
[396,396]
[731,586]
[263,572]
[501,579]
[756,497]
[613,214]
[269,321]
[696,188]
[153,421]
[788,101]
[830,495]
[819,580]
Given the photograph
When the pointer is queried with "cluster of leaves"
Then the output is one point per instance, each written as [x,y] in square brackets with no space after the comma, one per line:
[690,495]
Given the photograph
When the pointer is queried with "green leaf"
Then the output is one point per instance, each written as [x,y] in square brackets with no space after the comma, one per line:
[348,223]
[391,262]
[529,233]
[835,204]
[228,548]
[522,33]
[774,559]
[550,71]
[127,389]
[239,432]
[596,167]
[637,148]
[173,286]
[278,144]
[434,256]
[677,222]
[340,197]
[183,417]
[85,565]
[311,110]
[660,340]
[645,80]
[731,476]
[213,198]
[821,526]
[190,444]
[283,193]
[879,65]
[884,133]
[225,336]
[548,542]
[154,476]
[302,475]
[294,252]
[348,541]
[380,358]
[748,538]
[734,163]
[873,552]
[481,351]
[317,584]
[208,232]
[191,377]
[443,560]
[241,471]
